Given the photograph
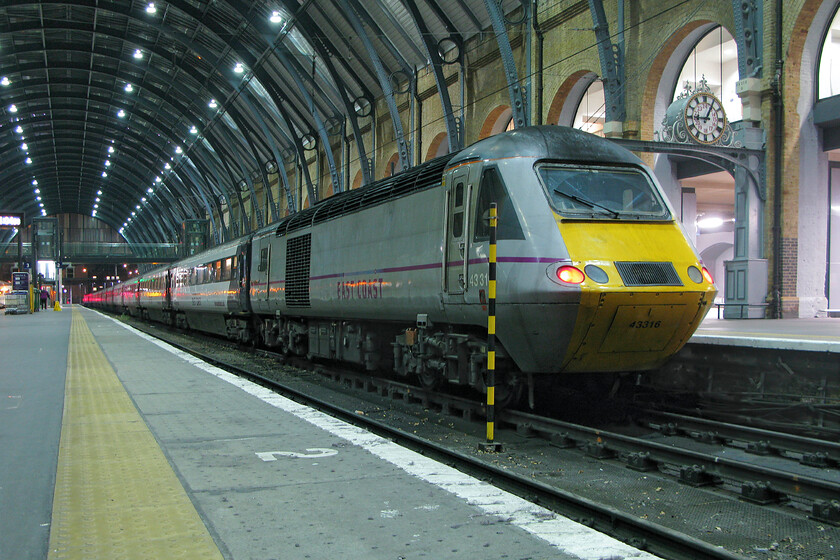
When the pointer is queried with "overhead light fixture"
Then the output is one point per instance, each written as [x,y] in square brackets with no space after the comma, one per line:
[38,198]
[212,104]
[34,181]
[157,179]
[239,68]
[104,173]
[121,113]
[107,163]
[96,206]
[19,129]
[178,150]
[28,161]
[24,146]
[110,149]
[143,199]
[13,108]
[138,54]
[193,130]
[41,204]
[43,212]
[150,9]
[276,17]
[37,191]
[129,88]
[5,81]
[97,199]
[93,213]
[134,213]
[167,166]
[99,193]
[150,190]
[711,222]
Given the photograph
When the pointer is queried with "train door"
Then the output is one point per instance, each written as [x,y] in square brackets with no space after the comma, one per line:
[456,252]
[265,268]
[241,276]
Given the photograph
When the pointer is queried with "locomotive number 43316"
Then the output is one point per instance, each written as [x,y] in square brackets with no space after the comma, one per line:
[645,324]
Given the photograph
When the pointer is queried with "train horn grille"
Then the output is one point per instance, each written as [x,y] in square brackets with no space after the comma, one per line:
[648,274]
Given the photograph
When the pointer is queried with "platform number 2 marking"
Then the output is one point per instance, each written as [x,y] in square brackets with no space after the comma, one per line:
[314,453]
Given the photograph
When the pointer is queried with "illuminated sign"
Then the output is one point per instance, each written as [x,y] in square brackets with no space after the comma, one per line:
[11,220]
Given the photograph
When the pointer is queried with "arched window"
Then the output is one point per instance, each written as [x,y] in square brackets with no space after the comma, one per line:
[592,110]
[829,69]
[715,59]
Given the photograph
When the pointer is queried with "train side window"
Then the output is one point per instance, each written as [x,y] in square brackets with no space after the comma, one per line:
[234,269]
[263,259]
[492,189]
[458,212]
[217,276]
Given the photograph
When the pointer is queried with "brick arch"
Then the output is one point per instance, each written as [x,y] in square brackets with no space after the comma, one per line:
[656,72]
[558,103]
[492,122]
[802,159]
[437,147]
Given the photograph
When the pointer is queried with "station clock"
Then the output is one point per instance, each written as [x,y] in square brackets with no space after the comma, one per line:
[704,117]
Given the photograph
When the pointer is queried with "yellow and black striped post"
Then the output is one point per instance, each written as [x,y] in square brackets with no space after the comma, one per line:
[491,444]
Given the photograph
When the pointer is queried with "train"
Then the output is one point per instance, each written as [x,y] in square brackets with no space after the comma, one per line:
[594,272]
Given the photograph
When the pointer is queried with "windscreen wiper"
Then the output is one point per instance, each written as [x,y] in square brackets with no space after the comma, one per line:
[588,203]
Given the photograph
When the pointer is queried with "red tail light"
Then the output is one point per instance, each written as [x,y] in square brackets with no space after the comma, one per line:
[707,275]
[570,275]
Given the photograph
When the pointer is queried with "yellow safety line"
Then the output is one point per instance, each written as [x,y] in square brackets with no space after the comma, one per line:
[116,496]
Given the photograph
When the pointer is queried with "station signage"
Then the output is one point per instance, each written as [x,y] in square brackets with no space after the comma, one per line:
[20,281]
[10,220]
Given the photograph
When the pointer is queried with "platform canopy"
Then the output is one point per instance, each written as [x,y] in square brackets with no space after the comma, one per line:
[148,114]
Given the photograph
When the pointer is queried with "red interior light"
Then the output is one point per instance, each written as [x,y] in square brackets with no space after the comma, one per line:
[707,275]
[570,275]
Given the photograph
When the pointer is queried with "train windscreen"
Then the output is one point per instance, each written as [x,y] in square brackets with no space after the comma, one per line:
[620,193]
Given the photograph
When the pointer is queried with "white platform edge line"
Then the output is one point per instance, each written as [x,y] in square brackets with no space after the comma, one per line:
[566,535]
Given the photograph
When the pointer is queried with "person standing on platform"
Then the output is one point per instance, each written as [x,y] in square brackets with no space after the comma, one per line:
[45,297]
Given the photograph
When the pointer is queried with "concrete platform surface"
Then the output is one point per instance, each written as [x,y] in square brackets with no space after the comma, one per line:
[816,335]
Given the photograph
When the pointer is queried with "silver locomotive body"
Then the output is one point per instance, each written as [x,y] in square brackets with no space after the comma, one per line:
[594,273]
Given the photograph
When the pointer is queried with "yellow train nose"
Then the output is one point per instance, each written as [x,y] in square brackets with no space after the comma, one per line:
[630,331]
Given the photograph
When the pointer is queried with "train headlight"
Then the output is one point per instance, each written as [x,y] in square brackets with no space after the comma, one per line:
[570,275]
[695,274]
[596,273]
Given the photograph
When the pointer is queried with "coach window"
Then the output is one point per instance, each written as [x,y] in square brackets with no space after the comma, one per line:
[492,189]
[217,273]
[263,260]
[458,215]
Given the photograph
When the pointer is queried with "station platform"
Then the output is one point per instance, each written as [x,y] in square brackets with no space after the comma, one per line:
[810,335]
[116,445]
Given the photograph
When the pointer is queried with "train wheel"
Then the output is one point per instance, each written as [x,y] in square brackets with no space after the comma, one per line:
[509,391]
[429,379]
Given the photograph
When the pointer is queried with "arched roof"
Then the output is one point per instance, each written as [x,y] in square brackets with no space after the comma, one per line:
[190,101]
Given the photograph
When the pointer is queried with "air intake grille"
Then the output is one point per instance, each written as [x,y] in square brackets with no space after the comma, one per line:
[648,274]
[297,271]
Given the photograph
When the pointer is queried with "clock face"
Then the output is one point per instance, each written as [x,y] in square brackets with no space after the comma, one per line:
[704,117]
